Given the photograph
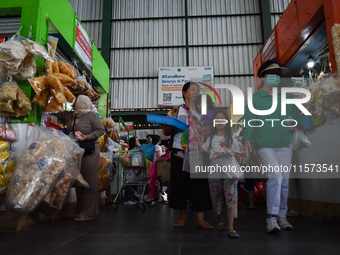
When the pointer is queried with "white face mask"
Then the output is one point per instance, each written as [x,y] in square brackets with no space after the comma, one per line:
[272,80]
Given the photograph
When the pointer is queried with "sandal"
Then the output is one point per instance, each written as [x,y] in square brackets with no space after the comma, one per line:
[220,226]
[81,217]
[179,224]
[204,225]
[233,234]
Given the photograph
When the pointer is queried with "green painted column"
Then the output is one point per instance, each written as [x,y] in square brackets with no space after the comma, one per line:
[106,32]
[266,19]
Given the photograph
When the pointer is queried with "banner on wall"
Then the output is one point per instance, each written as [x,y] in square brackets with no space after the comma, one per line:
[83,45]
[172,79]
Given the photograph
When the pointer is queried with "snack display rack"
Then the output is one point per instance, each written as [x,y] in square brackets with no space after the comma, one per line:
[46,70]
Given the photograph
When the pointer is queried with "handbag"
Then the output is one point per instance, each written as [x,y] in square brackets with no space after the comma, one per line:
[163,170]
[88,146]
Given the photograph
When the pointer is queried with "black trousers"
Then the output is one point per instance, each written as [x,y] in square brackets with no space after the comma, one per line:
[184,189]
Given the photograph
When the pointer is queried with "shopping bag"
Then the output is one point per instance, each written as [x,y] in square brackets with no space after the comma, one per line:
[148,150]
[163,170]
[300,140]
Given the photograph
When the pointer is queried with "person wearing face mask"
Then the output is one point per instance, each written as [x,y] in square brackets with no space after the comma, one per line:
[272,142]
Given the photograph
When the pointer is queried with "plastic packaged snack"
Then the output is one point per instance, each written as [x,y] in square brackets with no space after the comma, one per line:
[54,106]
[55,67]
[52,45]
[6,132]
[109,123]
[64,68]
[49,66]
[6,106]
[42,98]
[73,73]
[3,145]
[40,167]
[39,84]
[104,171]
[64,79]
[54,82]
[35,48]
[13,49]
[23,100]
[69,96]
[28,68]
[3,72]
[59,95]
[8,91]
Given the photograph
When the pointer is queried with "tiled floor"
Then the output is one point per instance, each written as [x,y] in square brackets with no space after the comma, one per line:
[130,231]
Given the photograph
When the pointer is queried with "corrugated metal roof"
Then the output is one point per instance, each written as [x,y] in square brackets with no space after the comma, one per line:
[142,93]
[217,7]
[88,9]
[94,30]
[274,19]
[144,62]
[225,30]
[134,93]
[9,25]
[146,33]
[242,82]
[127,9]
[278,6]
[232,60]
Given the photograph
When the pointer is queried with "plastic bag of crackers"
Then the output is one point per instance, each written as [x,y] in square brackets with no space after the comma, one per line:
[13,100]
[43,163]
[53,203]
[104,171]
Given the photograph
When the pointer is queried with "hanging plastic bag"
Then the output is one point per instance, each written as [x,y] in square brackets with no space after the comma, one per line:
[104,171]
[7,132]
[42,164]
[300,140]
[113,146]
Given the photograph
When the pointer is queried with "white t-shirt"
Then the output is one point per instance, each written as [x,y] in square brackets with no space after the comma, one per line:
[218,146]
[157,148]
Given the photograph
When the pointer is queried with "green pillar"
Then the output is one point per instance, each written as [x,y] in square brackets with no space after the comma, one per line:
[266,19]
[106,30]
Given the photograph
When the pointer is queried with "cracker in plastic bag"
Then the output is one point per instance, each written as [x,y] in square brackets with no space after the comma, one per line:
[35,48]
[28,68]
[39,84]
[54,82]
[69,96]
[23,100]
[73,73]
[55,67]
[8,91]
[15,49]
[64,68]
[104,171]
[6,106]
[59,95]
[20,111]
[49,66]
[43,98]
[64,79]
[3,72]
[54,106]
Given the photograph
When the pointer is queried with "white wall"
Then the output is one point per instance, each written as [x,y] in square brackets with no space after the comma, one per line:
[325,149]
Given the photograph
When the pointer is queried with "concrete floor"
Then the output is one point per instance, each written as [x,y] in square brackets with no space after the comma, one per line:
[130,231]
